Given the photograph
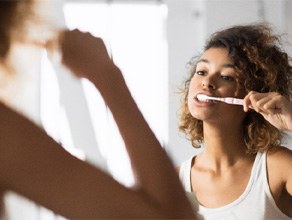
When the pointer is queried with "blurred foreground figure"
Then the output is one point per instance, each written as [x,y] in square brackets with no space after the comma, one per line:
[35,166]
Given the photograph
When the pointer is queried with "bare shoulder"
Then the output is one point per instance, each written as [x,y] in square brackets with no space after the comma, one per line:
[279,161]
[280,155]
[279,165]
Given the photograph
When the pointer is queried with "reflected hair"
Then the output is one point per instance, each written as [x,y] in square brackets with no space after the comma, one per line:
[14,14]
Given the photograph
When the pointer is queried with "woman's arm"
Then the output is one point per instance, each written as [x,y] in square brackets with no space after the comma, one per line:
[35,166]
[86,56]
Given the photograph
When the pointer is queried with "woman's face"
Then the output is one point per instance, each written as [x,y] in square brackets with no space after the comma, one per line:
[215,75]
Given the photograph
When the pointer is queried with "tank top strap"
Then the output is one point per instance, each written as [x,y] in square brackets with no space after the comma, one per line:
[257,168]
[185,174]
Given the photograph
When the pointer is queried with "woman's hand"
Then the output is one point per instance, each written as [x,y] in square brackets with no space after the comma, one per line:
[274,107]
[86,56]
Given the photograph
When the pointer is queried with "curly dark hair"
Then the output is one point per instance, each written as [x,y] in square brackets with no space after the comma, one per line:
[14,14]
[262,66]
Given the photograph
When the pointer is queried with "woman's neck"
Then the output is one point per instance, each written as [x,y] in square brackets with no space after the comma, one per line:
[223,146]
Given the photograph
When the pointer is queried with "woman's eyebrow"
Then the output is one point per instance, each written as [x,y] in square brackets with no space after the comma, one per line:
[203,61]
[227,65]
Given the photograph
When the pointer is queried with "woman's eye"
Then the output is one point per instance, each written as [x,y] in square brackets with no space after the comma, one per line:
[227,78]
[200,73]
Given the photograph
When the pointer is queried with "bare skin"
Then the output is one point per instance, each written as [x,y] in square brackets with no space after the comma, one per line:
[224,164]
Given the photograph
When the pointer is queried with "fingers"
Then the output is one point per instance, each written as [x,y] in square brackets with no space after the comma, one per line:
[265,103]
[274,107]
[85,55]
[249,101]
[83,44]
[82,52]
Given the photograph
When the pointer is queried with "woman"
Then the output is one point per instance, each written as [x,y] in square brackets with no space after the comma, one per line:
[243,172]
[35,166]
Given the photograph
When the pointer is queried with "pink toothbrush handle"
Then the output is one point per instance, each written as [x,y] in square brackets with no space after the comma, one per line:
[234,101]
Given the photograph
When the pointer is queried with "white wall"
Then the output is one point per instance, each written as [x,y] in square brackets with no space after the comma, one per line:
[186,33]
[287,26]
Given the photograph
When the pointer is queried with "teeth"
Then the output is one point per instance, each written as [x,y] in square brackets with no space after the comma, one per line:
[206,100]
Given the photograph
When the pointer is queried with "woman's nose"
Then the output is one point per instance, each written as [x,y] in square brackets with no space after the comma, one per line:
[208,83]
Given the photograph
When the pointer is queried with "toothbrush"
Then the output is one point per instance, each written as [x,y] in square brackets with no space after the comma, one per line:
[228,100]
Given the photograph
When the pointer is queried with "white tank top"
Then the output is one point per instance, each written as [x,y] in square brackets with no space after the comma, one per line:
[256,202]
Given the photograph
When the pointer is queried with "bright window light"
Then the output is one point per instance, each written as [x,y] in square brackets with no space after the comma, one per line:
[134,34]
